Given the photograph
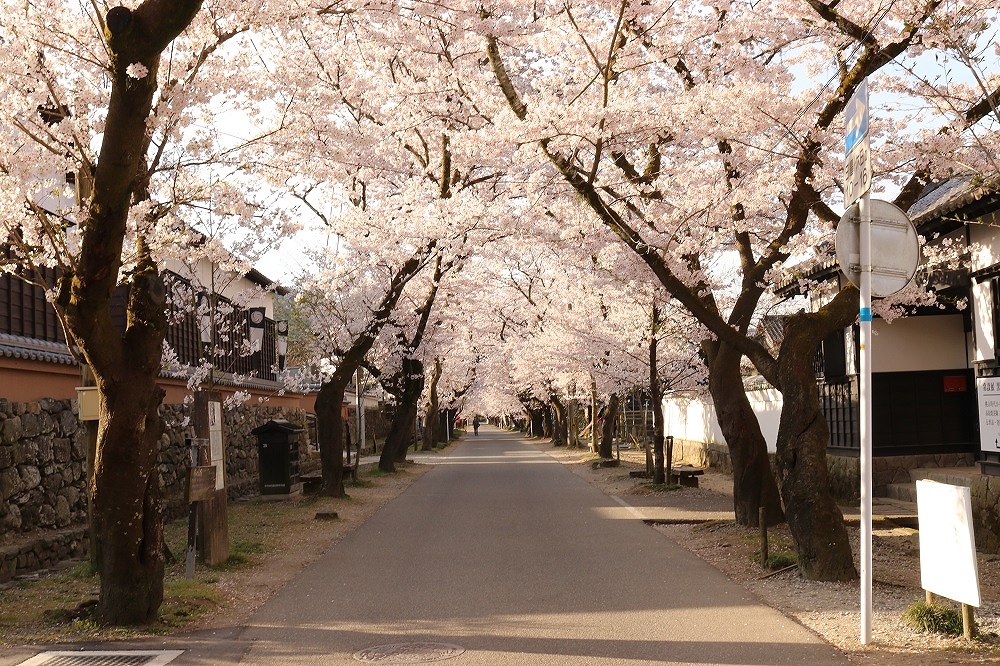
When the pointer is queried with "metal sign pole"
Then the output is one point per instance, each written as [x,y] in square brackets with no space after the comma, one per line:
[864,396]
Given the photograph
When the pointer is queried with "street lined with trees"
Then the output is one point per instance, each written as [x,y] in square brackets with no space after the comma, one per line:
[532,208]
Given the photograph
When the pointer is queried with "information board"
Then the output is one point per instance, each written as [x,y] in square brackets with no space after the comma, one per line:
[988,390]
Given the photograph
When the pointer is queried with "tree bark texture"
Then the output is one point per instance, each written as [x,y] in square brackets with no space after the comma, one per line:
[754,484]
[814,519]
[661,472]
[606,449]
[536,420]
[547,422]
[127,514]
[573,419]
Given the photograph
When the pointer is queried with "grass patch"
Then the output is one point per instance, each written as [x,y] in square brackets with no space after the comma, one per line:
[934,618]
[779,560]
[659,487]
[247,548]
[185,600]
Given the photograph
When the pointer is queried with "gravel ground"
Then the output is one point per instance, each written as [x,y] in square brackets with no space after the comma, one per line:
[832,610]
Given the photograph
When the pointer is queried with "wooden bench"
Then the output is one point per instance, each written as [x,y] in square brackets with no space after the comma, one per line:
[314,480]
[311,482]
[685,475]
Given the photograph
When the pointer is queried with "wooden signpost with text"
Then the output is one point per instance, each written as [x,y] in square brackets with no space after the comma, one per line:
[213,518]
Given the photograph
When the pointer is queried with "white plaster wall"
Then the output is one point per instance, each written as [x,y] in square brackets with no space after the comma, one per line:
[228,286]
[985,240]
[919,343]
[693,418]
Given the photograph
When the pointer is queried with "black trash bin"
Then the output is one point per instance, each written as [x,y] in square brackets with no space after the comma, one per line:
[278,457]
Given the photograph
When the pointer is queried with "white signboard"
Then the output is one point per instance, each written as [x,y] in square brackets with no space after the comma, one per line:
[215,443]
[948,564]
[988,390]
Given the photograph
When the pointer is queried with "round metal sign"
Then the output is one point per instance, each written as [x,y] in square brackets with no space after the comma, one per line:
[894,247]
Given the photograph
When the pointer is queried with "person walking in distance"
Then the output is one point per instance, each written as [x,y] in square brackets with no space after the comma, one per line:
[475,425]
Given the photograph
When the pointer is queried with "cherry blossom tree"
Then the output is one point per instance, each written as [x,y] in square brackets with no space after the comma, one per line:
[123,99]
[691,132]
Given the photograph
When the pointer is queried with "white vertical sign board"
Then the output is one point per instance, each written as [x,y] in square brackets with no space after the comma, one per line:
[215,443]
[988,389]
[948,564]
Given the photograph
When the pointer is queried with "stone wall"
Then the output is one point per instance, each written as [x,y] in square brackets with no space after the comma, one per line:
[42,462]
[845,479]
[241,451]
[845,471]
[43,500]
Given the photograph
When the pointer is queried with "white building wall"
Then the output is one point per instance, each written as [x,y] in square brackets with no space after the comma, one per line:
[693,418]
[233,287]
[985,240]
[919,343]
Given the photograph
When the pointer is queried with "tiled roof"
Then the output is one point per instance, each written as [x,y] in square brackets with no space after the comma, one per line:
[953,194]
[30,349]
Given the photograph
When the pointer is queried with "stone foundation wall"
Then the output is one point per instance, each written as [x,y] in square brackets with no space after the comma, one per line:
[845,471]
[43,498]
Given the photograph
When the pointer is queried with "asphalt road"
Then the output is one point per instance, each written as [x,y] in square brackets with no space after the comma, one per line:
[504,553]
[499,555]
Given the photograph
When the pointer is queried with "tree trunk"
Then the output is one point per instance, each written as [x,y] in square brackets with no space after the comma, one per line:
[573,419]
[330,431]
[128,521]
[127,514]
[593,416]
[754,485]
[660,472]
[410,384]
[536,421]
[547,425]
[608,427]
[814,519]
[431,408]
[559,426]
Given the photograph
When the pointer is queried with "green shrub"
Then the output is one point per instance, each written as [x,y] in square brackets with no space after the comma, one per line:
[935,618]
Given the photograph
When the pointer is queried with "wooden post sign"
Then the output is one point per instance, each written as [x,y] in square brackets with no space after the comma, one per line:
[201,483]
[213,517]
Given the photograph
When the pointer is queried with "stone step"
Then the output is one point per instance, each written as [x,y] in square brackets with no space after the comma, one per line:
[957,476]
[905,492]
